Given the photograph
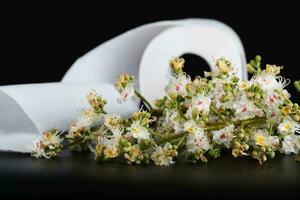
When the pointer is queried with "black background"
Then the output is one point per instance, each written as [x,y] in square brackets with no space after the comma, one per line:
[40,42]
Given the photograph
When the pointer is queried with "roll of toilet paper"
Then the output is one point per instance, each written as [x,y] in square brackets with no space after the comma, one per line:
[207,40]
[123,53]
[28,110]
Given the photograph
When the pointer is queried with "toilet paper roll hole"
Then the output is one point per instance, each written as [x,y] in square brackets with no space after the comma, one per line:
[195,65]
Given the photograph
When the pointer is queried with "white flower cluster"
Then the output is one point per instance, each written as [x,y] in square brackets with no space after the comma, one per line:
[80,129]
[198,117]
[48,146]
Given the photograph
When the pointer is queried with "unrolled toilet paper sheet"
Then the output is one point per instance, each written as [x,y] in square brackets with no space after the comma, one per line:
[28,110]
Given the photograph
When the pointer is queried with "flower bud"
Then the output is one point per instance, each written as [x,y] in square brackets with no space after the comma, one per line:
[257,96]
[264,158]
[268,149]
[258,58]
[250,68]
[177,65]
[254,154]
[227,113]
[246,138]
[250,94]
[271,154]
[236,144]
[224,65]
[286,110]
[241,135]
[296,118]
[297,85]
[246,146]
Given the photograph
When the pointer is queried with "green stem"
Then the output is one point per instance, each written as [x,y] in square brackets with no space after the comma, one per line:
[180,142]
[283,96]
[182,115]
[75,142]
[271,127]
[172,137]
[246,122]
[259,105]
[156,134]
[175,141]
[215,110]
[258,120]
[148,105]
[210,127]
[103,111]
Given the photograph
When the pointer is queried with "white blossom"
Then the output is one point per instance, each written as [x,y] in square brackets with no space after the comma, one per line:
[138,131]
[274,140]
[76,129]
[172,120]
[273,114]
[224,136]
[261,138]
[51,140]
[198,140]
[291,144]
[272,101]
[38,149]
[288,126]
[86,120]
[125,87]
[127,93]
[112,121]
[218,92]
[87,117]
[245,109]
[163,156]
[117,133]
[269,82]
[190,126]
[111,149]
[199,103]
[177,85]
[47,145]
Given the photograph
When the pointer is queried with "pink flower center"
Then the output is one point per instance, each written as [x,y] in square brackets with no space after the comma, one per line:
[39,145]
[199,103]
[199,141]
[273,98]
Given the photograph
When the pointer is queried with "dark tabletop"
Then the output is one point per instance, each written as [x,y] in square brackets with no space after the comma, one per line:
[77,174]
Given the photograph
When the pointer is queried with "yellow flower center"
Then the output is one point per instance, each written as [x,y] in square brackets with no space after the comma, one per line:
[224,66]
[191,129]
[287,126]
[110,152]
[260,140]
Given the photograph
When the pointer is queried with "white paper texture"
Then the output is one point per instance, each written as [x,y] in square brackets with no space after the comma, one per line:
[208,40]
[28,110]
[33,108]
[124,53]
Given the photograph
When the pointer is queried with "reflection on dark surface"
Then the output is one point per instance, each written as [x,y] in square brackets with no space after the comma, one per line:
[78,174]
